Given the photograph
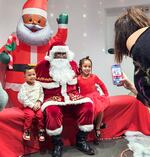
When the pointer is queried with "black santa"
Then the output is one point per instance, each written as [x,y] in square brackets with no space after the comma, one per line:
[59,81]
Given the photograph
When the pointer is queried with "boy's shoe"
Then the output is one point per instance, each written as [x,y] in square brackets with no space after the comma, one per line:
[26,135]
[41,135]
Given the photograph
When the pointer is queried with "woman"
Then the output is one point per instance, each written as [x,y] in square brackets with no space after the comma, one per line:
[132,38]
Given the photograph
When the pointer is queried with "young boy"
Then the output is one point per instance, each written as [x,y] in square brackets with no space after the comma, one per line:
[31,96]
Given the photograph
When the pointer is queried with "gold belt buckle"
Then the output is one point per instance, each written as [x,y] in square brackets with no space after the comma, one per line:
[32,65]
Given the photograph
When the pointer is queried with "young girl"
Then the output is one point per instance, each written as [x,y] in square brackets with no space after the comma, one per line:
[88,87]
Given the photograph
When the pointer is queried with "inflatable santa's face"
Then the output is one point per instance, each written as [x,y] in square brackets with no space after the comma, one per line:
[35,14]
[34,20]
[33,27]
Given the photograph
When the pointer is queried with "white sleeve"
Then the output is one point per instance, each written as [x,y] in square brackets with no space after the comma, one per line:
[22,97]
[41,96]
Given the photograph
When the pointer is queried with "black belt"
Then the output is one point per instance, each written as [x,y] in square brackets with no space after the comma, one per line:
[21,67]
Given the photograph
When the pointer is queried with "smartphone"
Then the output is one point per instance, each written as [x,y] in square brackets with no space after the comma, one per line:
[117,75]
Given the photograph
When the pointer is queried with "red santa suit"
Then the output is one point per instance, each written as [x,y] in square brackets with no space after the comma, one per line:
[27,54]
[63,97]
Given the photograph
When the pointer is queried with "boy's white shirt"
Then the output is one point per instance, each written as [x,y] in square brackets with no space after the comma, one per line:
[29,94]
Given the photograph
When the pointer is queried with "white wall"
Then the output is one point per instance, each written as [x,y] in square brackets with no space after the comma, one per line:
[124,3]
[10,12]
[90,30]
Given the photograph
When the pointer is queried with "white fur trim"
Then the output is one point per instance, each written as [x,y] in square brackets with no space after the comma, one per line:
[47,58]
[33,55]
[133,133]
[13,86]
[70,54]
[55,132]
[73,82]
[138,143]
[69,102]
[63,26]
[60,49]
[64,93]
[86,128]
[49,85]
[35,11]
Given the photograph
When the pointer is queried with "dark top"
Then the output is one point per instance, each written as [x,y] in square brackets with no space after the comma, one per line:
[140,53]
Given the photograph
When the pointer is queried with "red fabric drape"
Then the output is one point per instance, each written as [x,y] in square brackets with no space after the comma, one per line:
[124,113]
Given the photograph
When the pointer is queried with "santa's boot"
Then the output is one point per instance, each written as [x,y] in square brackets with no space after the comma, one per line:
[57,146]
[82,143]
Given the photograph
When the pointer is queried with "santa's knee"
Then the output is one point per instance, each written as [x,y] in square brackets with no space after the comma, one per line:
[53,120]
[53,111]
[88,109]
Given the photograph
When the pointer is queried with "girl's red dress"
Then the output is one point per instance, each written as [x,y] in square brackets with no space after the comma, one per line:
[88,87]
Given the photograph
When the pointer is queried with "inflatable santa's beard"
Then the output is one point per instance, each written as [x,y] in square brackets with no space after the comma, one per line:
[40,37]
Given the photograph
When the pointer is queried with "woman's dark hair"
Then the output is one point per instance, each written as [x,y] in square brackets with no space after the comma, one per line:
[132,20]
[82,61]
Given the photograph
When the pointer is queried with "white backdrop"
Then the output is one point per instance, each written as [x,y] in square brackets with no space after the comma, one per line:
[90,30]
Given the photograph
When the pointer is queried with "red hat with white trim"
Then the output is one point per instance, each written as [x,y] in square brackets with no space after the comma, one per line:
[59,48]
[38,7]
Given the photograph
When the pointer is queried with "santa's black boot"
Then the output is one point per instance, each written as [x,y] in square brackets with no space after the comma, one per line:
[82,144]
[57,146]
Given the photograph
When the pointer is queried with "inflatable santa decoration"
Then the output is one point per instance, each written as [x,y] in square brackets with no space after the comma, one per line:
[29,44]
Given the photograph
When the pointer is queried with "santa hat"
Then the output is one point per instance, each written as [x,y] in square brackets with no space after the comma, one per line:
[38,7]
[59,48]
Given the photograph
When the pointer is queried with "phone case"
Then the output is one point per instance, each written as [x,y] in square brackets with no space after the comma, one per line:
[116,74]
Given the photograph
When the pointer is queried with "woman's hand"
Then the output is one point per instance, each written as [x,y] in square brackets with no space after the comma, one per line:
[126,83]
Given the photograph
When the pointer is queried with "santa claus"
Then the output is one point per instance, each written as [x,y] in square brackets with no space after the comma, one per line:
[57,74]
[29,44]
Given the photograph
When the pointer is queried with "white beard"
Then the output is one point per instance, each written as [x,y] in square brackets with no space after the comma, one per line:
[40,37]
[61,71]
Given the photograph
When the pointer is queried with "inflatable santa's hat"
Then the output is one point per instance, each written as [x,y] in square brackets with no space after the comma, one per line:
[59,48]
[38,7]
